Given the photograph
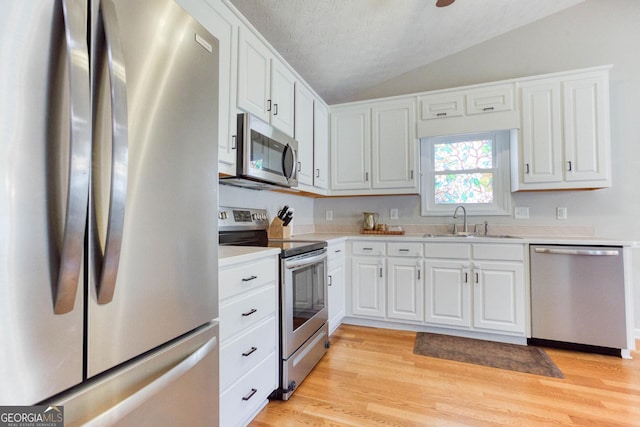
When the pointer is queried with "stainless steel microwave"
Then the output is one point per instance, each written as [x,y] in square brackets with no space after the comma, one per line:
[266,157]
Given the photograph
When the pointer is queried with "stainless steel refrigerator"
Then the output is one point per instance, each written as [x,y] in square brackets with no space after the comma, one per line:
[108,207]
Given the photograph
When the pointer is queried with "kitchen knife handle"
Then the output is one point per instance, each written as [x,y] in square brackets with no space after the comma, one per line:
[71,253]
[120,153]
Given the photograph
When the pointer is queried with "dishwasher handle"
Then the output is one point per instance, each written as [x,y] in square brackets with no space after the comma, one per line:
[590,252]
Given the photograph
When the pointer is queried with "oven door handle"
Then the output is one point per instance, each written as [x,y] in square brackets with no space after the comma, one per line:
[299,263]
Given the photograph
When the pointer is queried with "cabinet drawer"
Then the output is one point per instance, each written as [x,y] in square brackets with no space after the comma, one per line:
[245,351]
[490,100]
[335,251]
[404,249]
[498,252]
[245,396]
[244,277]
[447,250]
[368,248]
[239,314]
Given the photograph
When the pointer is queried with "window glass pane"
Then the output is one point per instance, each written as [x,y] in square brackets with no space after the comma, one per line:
[463,155]
[463,188]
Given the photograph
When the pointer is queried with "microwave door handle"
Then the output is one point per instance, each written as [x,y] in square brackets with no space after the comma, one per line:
[293,163]
[119,162]
[71,254]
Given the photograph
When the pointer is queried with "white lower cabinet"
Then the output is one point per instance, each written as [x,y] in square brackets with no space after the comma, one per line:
[335,273]
[476,286]
[368,286]
[447,293]
[248,337]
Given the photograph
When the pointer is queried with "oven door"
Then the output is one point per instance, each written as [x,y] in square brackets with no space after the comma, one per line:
[304,298]
[267,154]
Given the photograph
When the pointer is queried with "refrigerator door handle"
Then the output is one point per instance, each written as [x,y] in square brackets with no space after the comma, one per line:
[71,254]
[120,153]
[116,413]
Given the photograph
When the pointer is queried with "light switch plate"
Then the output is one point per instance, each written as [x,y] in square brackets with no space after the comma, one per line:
[393,214]
[328,215]
[521,213]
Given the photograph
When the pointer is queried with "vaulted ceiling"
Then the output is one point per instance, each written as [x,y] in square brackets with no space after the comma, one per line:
[341,47]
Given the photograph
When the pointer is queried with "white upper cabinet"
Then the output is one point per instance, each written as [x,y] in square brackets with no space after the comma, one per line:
[282,97]
[373,148]
[491,99]
[350,148]
[254,75]
[394,144]
[321,146]
[541,133]
[442,105]
[265,85]
[564,138]
[304,133]
[472,109]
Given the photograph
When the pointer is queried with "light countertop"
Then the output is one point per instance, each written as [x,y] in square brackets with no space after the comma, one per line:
[228,255]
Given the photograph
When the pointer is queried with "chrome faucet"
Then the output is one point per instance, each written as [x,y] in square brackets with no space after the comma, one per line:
[455,215]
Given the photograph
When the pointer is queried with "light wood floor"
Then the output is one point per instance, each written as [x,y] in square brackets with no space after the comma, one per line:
[371,377]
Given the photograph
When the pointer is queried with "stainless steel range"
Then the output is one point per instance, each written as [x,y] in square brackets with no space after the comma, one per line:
[304,333]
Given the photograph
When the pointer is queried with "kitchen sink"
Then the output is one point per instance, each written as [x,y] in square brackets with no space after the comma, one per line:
[474,236]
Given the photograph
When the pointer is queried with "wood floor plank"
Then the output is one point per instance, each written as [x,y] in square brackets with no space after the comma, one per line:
[370,377]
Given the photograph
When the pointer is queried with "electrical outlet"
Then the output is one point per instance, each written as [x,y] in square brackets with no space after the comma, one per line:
[328,215]
[521,213]
[393,213]
[561,213]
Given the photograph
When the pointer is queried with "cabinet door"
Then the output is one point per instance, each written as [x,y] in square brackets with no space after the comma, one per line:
[394,144]
[304,134]
[405,290]
[490,99]
[541,132]
[350,149]
[321,145]
[498,295]
[448,294]
[282,97]
[367,283]
[254,75]
[336,304]
[586,128]
[441,106]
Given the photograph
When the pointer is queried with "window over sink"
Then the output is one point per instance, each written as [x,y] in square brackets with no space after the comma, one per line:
[470,170]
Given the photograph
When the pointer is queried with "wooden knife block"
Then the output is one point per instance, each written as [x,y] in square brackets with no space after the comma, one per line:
[277,230]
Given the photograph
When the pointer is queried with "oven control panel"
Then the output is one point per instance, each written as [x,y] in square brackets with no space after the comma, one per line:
[230,218]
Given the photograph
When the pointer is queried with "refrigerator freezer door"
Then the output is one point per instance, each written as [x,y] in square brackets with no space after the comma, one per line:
[166,279]
[44,169]
[174,386]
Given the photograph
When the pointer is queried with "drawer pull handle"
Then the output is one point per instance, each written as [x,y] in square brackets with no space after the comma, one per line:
[249,313]
[248,353]
[487,109]
[248,279]
[250,395]
[403,250]
[441,114]
[367,249]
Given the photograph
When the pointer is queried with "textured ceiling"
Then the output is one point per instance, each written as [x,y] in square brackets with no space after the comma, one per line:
[341,47]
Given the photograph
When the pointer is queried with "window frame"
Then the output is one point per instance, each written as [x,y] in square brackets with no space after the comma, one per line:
[501,181]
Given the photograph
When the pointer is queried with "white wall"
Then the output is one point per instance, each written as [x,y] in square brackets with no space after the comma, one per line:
[596,32]
[270,200]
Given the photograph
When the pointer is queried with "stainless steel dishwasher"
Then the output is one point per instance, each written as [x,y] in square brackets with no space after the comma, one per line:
[578,297]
